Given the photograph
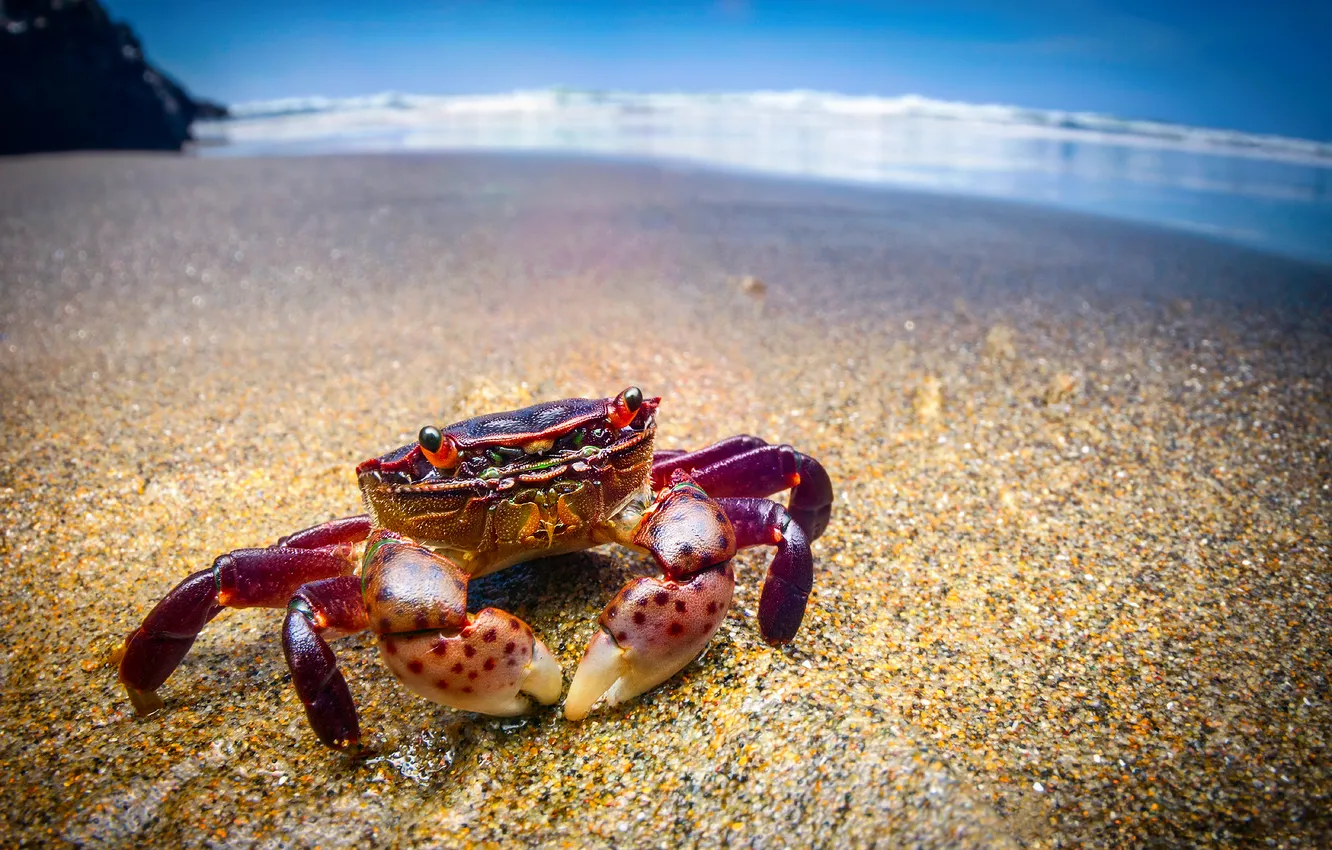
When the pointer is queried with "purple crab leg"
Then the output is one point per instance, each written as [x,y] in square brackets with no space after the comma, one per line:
[349,529]
[747,466]
[243,578]
[666,461]
[328,608]
[763,522]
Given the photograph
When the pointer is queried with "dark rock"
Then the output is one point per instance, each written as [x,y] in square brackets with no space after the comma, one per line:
[73,79]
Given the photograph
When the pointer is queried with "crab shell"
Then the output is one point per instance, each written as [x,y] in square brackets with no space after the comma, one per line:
[545,503]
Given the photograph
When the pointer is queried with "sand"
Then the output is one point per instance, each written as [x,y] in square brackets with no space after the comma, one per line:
[1075,591]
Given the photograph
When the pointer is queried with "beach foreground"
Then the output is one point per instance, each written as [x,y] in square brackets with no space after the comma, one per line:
[1075,591]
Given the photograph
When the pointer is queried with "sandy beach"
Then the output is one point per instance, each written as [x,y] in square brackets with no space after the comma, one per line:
[1075,591]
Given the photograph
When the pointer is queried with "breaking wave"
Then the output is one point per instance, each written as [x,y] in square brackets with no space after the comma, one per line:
[328,115]
[1267,191]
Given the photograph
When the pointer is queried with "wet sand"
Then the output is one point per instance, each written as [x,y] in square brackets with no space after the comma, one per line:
[1075,591]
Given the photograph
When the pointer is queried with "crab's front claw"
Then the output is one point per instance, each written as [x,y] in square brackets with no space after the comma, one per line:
[487,667]
[649,632]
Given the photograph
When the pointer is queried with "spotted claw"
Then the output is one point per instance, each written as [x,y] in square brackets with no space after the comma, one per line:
[491,666]
[649,632]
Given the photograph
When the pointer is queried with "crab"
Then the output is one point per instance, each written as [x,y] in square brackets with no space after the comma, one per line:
[484,494]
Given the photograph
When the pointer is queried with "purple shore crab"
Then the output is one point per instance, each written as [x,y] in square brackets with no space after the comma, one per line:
[484,494]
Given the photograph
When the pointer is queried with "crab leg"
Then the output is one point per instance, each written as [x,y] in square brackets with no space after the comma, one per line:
[666,461]
[243,578]
[655,626]
[747,466]
[763,522]
[417,604]
[349,529]
[328,608]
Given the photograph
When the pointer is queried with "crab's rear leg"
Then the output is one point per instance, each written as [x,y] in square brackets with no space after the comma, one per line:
[655,626]
[417,604]
[666,461]
[790,578]
[747,466]
[349,529]
[243,578]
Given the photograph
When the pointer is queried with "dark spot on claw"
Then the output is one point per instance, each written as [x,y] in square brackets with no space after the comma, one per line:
[467,690]
[471,674]
[442,684]
[514,624]
[416,666]
[610,612]
[457,668]
[422,621]
[490,664]
[469,651]
[675,629]
[621,637]
[687,549]
[390,647]
[385,624]
[513,662]
[489,636]
[722,543]
[510,647]
[441,647]
[680,606]
[662,597]
[712,607]
[640,617]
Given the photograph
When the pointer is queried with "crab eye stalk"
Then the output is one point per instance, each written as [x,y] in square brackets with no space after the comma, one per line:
[624,407]
[437,448]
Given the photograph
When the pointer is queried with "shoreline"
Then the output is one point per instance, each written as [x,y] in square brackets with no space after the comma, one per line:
[694,167]
[1272,198]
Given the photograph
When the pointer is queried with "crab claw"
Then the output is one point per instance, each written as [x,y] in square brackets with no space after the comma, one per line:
[649,632]
[487,667]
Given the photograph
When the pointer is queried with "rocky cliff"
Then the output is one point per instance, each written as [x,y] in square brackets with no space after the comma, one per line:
[73,79]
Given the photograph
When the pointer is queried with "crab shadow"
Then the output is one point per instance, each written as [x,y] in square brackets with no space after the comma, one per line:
[561,591]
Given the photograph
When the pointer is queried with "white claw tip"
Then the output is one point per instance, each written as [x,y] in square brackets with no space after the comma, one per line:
[601,667]
[544,679]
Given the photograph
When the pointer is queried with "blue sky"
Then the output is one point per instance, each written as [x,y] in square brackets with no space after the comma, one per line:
[1259,67]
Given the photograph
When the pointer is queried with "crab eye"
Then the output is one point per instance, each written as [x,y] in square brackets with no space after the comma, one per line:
[430,438]
[624,407]
[437,448]
[633,397]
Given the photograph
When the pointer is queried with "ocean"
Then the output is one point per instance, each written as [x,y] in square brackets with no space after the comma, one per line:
[1267,192]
